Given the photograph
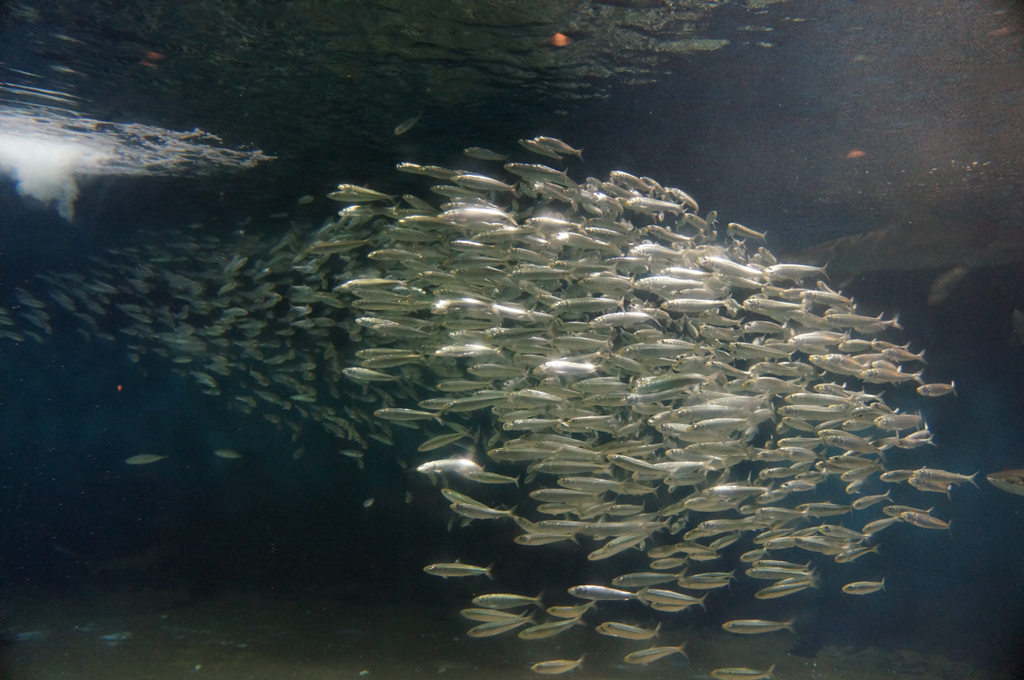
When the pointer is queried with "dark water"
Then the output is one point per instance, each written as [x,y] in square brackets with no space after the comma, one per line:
[763,135]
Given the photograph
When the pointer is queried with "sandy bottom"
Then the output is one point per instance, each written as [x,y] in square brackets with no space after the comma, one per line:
[142,635]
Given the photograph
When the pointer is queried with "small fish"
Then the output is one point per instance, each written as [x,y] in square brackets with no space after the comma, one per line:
[497,627]
[456,497]
[884,375]
[923,520]
[575,612]
[366,375]
[940,477]
[868,501]
[874,527]
[647,656]
[793,272]
[863,587]
[480,182]
[115,638]
[487,615]
[477,511]
[427,170]
[483,477]
[669,597]
[144,459]
[357,194]
[734,228]
[742,673]
[441,440]
[546,630]
[755,626]
[407,125]
[227,453]
[937,389]
[405,414]
[484,154]
[556,147]
[537,148]
[1011,481]
[369,503]
[557,666]
[668,563]
[457,570]
[455,465]
[305,200]
[622,630]
[784,588]
[506,601]
[600,593]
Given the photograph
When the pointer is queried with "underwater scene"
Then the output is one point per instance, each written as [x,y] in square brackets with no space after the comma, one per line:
[506,338]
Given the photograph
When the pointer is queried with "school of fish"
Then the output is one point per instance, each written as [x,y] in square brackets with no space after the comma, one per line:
[654,385]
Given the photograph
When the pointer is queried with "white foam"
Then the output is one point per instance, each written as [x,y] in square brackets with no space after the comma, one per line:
[45,151]
[45,168]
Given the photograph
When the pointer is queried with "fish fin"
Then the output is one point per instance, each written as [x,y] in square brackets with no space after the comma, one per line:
[487,571]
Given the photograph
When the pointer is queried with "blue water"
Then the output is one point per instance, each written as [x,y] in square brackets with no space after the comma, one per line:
[762,136]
